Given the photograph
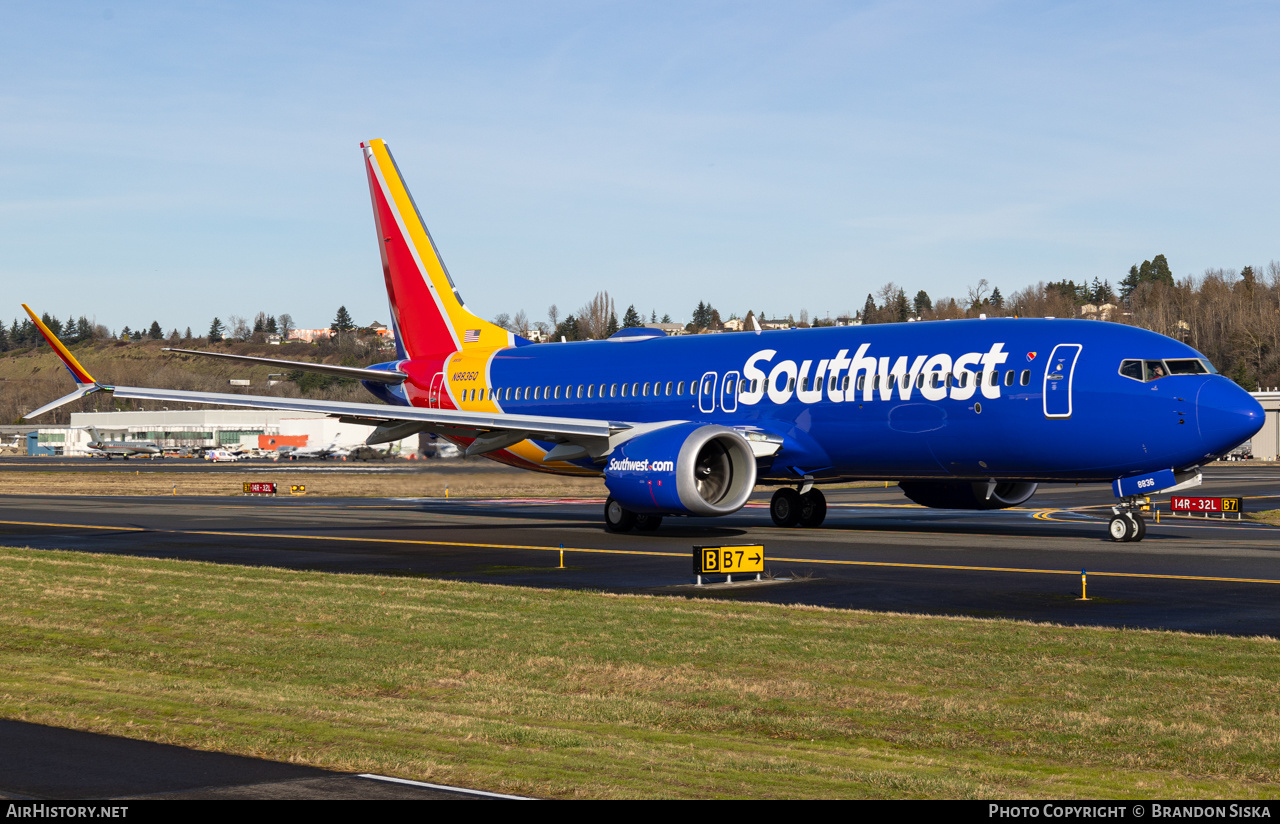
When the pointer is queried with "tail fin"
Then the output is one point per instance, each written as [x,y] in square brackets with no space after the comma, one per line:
[427,313]
[93,433]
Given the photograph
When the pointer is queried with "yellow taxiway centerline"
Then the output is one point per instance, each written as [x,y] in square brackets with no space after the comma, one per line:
[650,553]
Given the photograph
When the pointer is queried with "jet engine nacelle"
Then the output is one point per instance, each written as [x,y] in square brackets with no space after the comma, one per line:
[684,469]
[968,495]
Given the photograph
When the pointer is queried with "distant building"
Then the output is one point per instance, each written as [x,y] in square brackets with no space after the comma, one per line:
[672,329]
[265,429]
[310,335]
[1093,312]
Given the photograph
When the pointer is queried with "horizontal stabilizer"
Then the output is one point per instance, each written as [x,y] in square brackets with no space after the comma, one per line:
[355,372]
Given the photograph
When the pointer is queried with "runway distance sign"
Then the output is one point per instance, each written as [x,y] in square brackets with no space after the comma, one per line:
[1184,504]
[259,488]
[727,560]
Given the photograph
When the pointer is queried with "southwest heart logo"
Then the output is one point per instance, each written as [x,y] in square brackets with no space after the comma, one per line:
[1031,356]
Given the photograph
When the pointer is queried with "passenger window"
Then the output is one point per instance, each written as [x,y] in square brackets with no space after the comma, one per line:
[635,387]
[644,389]
[1026,377]
[950,380]
[557,395]
[791,385]
[995,378]
[590,390]
[546,393]
[602,390]
[1008,378]
[668,392]
[624,390]
[862,382]
[537,393]
[920,381]
[579,390]
[680,388]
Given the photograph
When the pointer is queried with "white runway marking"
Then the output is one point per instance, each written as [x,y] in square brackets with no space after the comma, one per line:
[444,787]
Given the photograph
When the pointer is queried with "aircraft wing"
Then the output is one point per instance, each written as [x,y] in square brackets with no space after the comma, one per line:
[486,427]
[577,437]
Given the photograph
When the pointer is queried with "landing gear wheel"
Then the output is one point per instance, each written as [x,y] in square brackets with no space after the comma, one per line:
[813,508]
[648,523]
[786,507]
[616,518]
[1140,527]
[1122,528]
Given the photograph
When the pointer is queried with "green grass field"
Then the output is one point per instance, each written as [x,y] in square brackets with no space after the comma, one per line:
[582,694]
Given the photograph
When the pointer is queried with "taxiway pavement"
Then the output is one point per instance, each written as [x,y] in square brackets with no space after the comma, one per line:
[876,550]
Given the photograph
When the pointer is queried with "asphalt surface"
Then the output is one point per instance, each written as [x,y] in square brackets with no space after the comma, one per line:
[43,763]
[875,551]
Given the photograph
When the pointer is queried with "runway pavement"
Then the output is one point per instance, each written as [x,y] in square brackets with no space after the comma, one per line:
[876,551]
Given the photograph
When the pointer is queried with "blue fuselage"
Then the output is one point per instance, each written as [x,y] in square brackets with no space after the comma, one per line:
[1001,398]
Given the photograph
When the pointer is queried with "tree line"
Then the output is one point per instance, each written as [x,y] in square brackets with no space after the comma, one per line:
[1232,316]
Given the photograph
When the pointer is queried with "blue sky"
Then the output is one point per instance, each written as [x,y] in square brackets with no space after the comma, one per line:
[179,161]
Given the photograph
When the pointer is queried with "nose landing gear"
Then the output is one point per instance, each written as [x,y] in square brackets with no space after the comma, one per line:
[1127,523]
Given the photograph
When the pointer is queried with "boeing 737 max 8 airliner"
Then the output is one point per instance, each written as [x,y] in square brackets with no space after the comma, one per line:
[968,414]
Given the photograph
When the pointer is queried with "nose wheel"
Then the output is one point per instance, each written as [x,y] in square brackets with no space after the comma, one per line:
[1127,523]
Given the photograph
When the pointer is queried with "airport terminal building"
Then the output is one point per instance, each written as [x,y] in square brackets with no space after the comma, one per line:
[207,428]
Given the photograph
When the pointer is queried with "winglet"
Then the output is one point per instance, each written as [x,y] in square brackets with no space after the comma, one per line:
[85,384]
[78,372]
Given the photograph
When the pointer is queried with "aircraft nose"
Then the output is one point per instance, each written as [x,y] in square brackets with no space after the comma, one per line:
[1226,415]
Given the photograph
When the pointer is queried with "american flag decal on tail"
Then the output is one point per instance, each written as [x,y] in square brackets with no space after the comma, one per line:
[471,336]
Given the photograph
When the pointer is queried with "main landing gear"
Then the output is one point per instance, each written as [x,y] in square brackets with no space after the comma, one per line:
[791,508]
[619,519]
[1127,523]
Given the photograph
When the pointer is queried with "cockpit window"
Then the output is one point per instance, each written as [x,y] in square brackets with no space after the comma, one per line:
[1150,370]
[1132,369]
[1186,366]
